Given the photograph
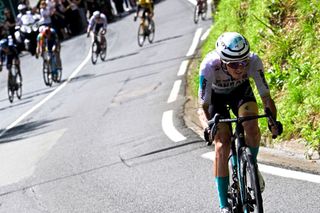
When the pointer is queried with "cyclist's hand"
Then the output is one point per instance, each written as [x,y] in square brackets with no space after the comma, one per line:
[276,129]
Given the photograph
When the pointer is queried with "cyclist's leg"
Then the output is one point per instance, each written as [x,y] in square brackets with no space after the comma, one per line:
[245,104]
[222,149]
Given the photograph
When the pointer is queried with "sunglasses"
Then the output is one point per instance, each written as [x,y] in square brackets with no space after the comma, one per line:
[236,65]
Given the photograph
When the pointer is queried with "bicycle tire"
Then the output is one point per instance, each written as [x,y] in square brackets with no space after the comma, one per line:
[196,14]
[94,52]
[58,76]
[103,53]
[141,34]
[46,71]
[151,31]
[19,85]
[10,87]
[251,196]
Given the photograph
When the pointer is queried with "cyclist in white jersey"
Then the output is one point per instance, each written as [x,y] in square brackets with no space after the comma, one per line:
[224,81]
[97,22]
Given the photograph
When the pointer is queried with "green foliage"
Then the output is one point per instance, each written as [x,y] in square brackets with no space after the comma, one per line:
[286,35]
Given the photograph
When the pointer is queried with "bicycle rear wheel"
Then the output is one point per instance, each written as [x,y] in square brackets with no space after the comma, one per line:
[10,86]
[103,52]
[196,14]
[151,31]
[94,52]
[141,34]
[58,76]
[251,194]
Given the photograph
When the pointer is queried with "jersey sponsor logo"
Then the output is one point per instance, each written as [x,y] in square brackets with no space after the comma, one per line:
[263,79]
[227,84]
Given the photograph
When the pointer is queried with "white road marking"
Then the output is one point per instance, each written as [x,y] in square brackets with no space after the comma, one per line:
[183,68]
[174,92]
[194,2]
[18,159]
[205,35]
[169,129]
[194,42]
[43,101]
[277,171]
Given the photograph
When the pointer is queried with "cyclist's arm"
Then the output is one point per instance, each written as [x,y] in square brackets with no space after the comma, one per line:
[105,22]
[205,90]
[91,24]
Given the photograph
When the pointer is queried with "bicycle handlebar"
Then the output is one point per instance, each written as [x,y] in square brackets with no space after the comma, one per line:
[239,120]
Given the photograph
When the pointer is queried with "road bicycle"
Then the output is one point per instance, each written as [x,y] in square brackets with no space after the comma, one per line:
[200,9]
[98,48]
[14,82]
[50,71]
[244,194]
[146,29]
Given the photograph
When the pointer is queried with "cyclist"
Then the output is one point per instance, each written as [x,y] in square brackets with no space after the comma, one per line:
[224,81]
[201,3]
[48,40]
[146,6]
[97,22]
[9,52]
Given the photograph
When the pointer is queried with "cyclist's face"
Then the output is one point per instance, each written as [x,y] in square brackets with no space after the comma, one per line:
[238,69]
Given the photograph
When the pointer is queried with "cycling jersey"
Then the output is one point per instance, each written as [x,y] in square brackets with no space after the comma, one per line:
[214,77]
[98,23]
[42,39]
[146,4]
[9,55]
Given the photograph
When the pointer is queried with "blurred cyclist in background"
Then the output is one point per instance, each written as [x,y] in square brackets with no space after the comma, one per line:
[146,6]
[48,40]
[9,53]
[98,24]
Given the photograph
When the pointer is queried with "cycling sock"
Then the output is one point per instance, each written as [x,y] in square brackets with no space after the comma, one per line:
[222,185]
[254,152]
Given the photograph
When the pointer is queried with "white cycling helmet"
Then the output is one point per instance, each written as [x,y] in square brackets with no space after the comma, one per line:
[22,7]
[232,46]
[96,14]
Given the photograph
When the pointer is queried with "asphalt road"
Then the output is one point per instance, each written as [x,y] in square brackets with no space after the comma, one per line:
[96,142]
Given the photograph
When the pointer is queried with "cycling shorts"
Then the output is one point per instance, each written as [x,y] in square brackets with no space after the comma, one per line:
[233,100]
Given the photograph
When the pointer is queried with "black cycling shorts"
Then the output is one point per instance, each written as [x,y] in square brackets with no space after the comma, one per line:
[222,102]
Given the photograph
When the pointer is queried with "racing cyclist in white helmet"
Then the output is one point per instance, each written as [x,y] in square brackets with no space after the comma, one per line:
[224,80]
[98,23]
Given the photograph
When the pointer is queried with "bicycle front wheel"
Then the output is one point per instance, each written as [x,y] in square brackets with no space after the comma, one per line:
[19,85]
[151,31]
[46,71]
[141,35]
[250,187]
[196,14]
[94,52]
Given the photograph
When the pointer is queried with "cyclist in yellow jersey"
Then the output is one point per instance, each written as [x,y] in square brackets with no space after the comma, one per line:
[146,6]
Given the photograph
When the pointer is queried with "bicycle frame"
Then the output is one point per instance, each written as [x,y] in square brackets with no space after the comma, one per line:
[243,156]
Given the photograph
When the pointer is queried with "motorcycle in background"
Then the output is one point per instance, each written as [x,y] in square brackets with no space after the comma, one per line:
[26,34]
